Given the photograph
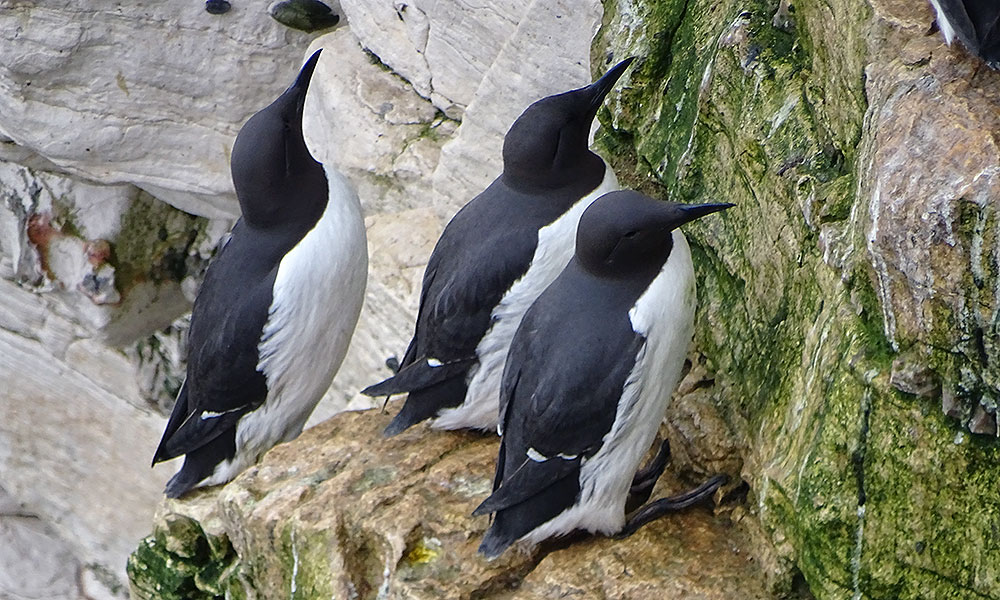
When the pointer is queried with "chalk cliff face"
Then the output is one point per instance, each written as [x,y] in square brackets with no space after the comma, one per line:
[116,122]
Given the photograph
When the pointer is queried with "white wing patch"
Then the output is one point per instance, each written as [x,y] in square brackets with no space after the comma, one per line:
[556,242]
[207,414]
[536,456]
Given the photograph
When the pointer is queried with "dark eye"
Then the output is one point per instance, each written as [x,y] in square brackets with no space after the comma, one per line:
[631,234]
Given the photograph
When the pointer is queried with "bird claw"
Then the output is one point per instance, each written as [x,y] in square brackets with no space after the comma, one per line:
[645,479]
[655,510]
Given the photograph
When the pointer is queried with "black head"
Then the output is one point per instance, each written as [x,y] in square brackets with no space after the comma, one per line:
[625,232]
[275,176]
[547,146]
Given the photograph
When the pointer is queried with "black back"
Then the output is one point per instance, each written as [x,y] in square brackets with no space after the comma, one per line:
[282,192]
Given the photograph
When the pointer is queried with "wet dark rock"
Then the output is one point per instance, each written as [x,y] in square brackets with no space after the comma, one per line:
[304,15]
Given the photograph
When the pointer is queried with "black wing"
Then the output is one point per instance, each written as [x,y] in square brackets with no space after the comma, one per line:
[985,17]
[564,376]
[485,248]
[223,382]
[977,24]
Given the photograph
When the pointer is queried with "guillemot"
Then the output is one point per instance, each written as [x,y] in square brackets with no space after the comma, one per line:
[589,374]
[273,318]
[495,257]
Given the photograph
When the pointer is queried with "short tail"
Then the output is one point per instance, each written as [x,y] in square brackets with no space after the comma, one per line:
[182,482]
[419,375]
[496,541]
[426,403]
[200,464]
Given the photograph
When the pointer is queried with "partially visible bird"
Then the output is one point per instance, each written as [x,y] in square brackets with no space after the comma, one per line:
[975,22]
[494,258]
[273,318]
[589,375]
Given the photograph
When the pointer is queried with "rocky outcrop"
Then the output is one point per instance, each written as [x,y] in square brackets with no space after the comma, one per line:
[342,512]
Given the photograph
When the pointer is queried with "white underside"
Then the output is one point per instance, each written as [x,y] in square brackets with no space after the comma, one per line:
[317,298]
[556,243]
[664,314]
[943,23]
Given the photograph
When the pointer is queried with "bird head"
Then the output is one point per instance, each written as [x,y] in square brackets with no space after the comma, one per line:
[548,143]
[270,161]
[625,231]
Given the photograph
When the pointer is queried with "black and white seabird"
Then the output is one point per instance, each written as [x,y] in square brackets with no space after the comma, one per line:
[589,375]
[494,258]
[274,316]
[975,22]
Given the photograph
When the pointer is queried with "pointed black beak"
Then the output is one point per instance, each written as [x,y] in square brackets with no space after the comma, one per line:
[305,74]
[293,99]
[690,212]
[599,89]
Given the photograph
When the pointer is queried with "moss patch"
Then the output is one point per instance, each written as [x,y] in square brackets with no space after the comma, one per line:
[180,561]
[726,106]
[155,243]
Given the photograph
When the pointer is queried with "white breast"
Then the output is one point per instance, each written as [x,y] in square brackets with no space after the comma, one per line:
[318,293]
[556,242]
[664,314]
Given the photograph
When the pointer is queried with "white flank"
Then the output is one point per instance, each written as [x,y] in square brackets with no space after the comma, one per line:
[664,314]
[943,23]
[556,242]
[318,293]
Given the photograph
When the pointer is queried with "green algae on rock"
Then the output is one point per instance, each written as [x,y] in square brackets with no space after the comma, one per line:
[811,289]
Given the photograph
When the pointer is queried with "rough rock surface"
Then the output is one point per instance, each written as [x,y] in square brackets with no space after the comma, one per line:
[851,294]
[83,88]
[342,512]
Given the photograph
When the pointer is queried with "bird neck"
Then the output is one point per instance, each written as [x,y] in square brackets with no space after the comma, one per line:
[576,179]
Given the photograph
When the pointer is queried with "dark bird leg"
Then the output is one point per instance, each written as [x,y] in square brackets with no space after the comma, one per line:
[393,364]
[645,479]
[975,71]
[655,510]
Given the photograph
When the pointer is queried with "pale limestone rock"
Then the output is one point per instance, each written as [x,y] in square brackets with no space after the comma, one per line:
[442,48]
[548,53]
[373,127]
[148,93]
[34,562]
[74,453]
